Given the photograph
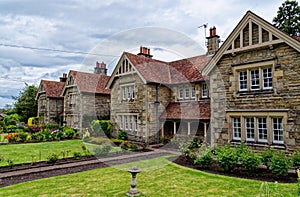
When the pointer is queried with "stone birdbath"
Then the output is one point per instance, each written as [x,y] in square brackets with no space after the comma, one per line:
[133,191]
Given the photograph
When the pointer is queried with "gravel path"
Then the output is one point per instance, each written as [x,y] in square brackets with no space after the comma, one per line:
[14,177]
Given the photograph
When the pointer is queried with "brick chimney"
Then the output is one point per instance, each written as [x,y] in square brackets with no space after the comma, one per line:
[212,41]
[63,78]
[100,68]
[144,51]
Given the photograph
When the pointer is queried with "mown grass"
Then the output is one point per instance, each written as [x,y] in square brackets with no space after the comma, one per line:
[33,152]
[158,178]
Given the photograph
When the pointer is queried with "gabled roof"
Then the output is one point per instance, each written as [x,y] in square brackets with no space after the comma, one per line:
[89,82]
[275,36]
[52,89]
[156,71]
[189,111]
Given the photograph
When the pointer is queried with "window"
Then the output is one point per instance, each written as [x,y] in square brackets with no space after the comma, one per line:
[277,130]
[254,79]
[250,129]
[236,128]
[121,122]
[135,123]
[180,93]
[186,92]
[267,78]
[126,122]
[260,78]
[243,80]
[204,90]
[130,123]
[193,92]
[262,129]
[128,93]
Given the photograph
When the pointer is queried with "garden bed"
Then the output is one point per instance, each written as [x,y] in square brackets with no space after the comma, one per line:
[261,173]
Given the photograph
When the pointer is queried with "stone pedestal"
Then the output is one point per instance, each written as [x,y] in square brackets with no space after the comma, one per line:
[133,191]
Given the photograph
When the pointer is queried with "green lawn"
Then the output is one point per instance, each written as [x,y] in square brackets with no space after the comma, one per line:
[158,178]
[26,153]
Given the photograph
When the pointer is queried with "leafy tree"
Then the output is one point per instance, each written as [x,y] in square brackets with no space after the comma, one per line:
[26,105]
[288,17]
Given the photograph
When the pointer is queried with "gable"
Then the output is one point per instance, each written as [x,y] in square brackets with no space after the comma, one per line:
[124,67]
[251,32]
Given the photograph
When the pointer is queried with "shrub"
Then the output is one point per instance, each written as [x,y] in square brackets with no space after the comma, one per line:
[227,158]
[52,158]
[266,157]
[249,160]
[47,135]
[39,136]
[11,119]
[11,137]
[122,135]
[296,160]
[100,127]
[59,135]
[51,127]
[21,137]
[85,150]
[69,133]
[34,129]
[280,164]
[76,155]
[117,142]
[204,158]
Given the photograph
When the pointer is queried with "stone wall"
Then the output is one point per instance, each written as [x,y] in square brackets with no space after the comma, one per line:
[143,106]
[285,94]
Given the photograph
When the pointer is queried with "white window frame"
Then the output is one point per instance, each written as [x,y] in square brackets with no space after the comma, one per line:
[250,128]
[277,130]
[243,78]
[236,128]
[261,130]
[268,78]
[128,93]
[130,122]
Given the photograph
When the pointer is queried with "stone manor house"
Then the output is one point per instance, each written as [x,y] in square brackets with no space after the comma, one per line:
[246,91]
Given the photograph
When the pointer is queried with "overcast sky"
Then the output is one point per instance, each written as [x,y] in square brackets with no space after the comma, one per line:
[107,28]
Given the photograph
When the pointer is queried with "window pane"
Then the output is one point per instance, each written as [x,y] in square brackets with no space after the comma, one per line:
[180,93]
[193,92]
[121,122]
[243,80]
[126,122]
[262,129]
[204,90]
[277,130]
[254,76]
[135,123]
[187,92]
[267,78]
[236,128]
[124,93]
[132,92]
[249,125]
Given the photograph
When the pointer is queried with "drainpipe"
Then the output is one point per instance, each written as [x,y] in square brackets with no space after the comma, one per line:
[156,103]
[57,121]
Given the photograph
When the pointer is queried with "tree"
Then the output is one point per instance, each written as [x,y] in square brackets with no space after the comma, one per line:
[288,18]
[26,105]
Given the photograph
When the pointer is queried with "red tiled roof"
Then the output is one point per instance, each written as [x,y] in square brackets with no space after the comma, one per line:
[296,38]
[90,82]
[53,88]
[185,70]
[191,110]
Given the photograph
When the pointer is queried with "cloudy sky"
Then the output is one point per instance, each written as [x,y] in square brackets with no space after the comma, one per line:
[41,39]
